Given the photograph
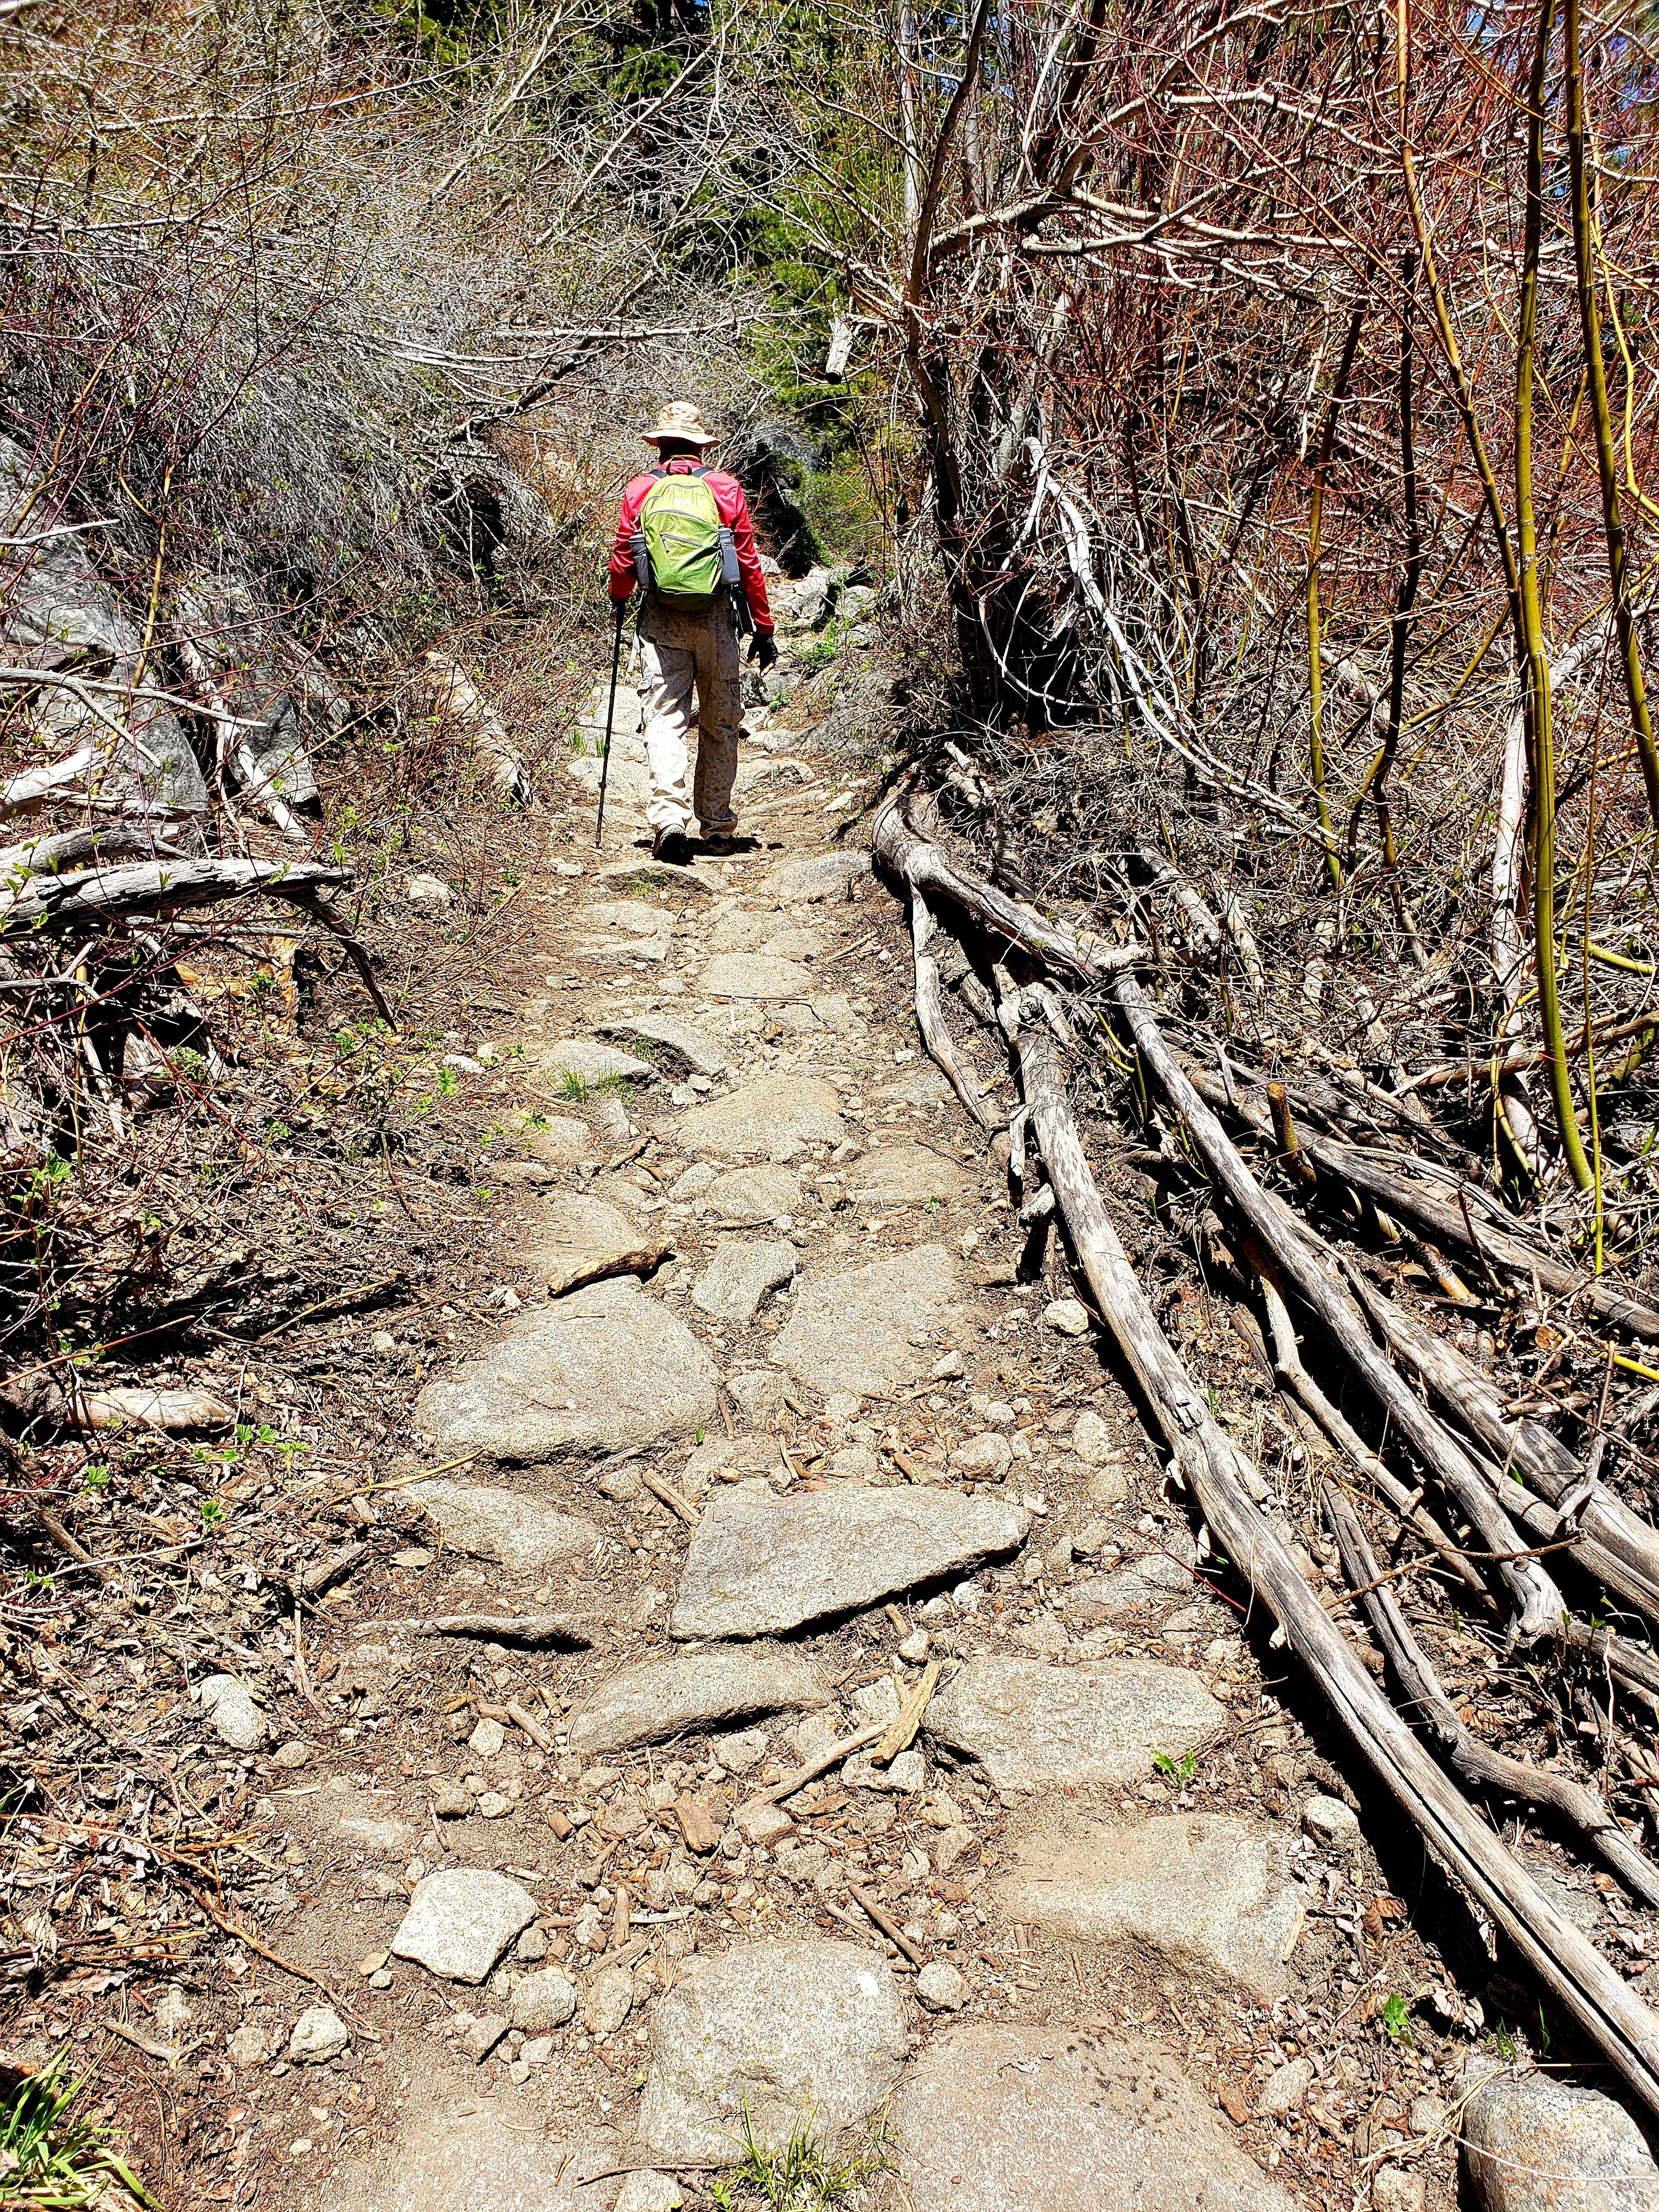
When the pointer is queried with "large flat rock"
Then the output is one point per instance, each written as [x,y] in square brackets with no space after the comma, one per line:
[491,1523]
[811,2031]
[744,1197]
[679,1046]
[759,1563]
[556,1139]
[744,1270]
[1206,1892]
[1532,2144]
[590,1064]
[1016,2119]
[1031,1725]
[779,1109]
[577,1226]
[754,975]
[905,1174]
[871,1329]
[812,876]
[658,1698]
[752,932]
[453,2152]
[597,1373]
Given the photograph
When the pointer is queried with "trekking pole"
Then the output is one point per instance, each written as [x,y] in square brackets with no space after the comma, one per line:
[610,708]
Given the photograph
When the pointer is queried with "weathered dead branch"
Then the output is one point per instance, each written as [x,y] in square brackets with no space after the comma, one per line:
[45,904]
[1491,1769]
[921,864]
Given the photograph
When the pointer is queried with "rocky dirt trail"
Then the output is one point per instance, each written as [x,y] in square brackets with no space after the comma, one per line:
[831,1720]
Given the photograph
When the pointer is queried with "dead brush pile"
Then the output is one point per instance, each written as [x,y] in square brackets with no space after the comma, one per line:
[1285,390]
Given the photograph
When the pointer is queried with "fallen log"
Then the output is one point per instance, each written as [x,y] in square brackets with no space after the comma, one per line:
[47,903]
[1540,1603]
[1397,1193]
[1225,1484]
[930,1012]
[456,699]
[920,864]
[1294,1376]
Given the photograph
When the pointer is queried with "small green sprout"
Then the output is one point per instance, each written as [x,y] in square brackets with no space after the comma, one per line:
[1396,2018]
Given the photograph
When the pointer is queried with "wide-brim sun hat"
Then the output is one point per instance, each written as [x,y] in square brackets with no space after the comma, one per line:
[682,423]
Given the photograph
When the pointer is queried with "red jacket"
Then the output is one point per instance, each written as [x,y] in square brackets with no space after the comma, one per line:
[734,514]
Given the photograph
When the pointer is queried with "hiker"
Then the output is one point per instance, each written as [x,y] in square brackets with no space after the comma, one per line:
[684,540]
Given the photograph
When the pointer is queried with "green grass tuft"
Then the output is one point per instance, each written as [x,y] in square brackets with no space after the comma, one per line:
[52,2159]
[803,2175]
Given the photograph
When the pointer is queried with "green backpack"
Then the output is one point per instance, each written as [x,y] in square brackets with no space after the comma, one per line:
[683,554]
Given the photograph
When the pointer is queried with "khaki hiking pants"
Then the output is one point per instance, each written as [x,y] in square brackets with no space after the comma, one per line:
[677,652]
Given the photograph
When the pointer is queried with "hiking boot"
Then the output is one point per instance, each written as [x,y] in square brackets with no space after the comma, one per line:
[671,845]
[720,841]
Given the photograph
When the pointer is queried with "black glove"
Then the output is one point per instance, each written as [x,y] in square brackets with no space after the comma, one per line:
[764,647]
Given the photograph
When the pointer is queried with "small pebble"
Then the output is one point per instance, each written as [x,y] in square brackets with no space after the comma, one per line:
[1398,2189]
[1067,1315]
[940,1987]
[319,2034]
[1328,1820]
